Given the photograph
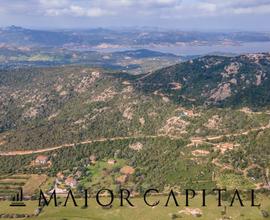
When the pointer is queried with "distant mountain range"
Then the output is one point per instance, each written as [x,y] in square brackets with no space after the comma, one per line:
[93,37]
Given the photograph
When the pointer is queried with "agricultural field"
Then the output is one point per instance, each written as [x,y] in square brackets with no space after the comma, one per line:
[141,212]
[10,184]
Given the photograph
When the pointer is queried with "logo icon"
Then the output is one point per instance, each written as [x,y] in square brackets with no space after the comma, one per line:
[17,199]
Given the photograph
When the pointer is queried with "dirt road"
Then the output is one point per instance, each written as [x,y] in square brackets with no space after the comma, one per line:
[192,139]
[27,152]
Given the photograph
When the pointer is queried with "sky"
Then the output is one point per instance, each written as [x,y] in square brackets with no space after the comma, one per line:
[253,15]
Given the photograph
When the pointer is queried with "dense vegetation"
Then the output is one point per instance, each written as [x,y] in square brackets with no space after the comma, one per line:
[202,123]
[212,80]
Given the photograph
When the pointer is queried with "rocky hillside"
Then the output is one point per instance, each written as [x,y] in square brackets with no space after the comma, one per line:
[48,106]
[38,104]
[214,80]
[144,121]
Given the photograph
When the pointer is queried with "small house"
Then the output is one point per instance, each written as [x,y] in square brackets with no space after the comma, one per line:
[42,160]
[70,181]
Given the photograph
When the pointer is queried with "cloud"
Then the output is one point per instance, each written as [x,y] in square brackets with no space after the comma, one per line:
[53,3]
[67,8]
[240,6]
[96,8]
[135,12]
[208,7]
[160,8]
[262,9]
[91,12]
[142,3]
[17,6]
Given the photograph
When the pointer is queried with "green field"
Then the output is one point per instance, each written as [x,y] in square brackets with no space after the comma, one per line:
[142,212]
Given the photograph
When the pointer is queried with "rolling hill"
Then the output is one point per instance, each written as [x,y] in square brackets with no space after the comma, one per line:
[192,124]
[213,80]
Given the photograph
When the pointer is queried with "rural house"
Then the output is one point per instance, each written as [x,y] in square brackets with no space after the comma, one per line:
[70,181]
[42,160]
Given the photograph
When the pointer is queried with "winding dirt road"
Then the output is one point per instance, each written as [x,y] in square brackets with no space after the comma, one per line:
[192,139]
[27,152]
[211,138]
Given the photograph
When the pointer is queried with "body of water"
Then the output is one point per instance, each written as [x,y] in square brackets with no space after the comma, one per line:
[250,47]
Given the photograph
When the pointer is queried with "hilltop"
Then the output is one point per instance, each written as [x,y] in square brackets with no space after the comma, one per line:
[214,80]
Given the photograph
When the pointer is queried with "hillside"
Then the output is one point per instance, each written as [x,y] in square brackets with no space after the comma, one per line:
[83,102]
[166,128]
[214,80]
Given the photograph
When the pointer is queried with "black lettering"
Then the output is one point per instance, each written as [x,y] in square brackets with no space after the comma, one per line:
[253,199]
[174,198]
[72,197]
[204,198]
[145,195]
[187,195]
[43,198]
[219,195]
[98,200]
[123,197]
[237,194]
[85,198]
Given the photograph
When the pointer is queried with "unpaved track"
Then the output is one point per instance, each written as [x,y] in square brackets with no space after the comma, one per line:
[202,139]
[211,138]
[27,152]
